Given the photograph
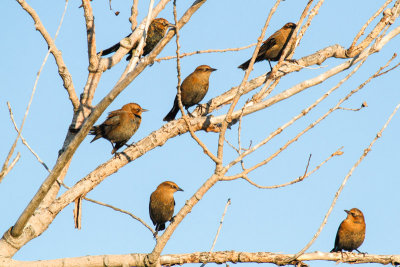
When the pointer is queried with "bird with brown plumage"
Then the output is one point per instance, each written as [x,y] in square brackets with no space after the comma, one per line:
[162,204]
[193,89]
[272,48]
[157,29]
[119,126]
[351,232]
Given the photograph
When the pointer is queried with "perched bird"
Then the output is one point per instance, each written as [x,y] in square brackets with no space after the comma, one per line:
[351,232]
[272,48]
[119,126]
[157,29]
[162,204]
[193,90]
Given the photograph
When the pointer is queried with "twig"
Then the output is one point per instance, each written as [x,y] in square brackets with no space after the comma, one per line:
[308,164]
[184,115]
[220,224]
[206,51]
[299,179]
[23,139]
[39,26]
[116,209]
[219,228]
[337,194]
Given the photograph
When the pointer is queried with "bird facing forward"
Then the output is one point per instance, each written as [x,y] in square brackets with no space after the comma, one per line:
[162,204]
[351,232]
[157,29]
[193,90]
[272,48]
[119,126]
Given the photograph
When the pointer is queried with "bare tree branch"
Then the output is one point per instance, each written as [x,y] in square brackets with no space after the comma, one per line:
[220,257]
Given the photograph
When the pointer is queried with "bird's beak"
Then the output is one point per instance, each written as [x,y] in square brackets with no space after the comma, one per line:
[144,110]
[171,25]
[179,189]
[212,69]
[347,211]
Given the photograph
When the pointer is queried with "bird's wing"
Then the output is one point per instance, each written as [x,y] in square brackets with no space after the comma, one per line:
[270,42]
[150,210]
[336,246]
[114,119]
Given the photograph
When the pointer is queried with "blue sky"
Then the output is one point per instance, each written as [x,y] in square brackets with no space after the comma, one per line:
[281,220]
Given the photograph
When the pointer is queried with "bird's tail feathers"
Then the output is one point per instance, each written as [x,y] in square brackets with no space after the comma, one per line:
[245,65]
[172,114]
[110,49]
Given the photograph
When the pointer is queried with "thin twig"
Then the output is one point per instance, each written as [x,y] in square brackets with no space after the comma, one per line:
[206,51]
[5,168]
[219,228]
[184,115]
[116,209]
[23,139]
[220,224]
[299,179]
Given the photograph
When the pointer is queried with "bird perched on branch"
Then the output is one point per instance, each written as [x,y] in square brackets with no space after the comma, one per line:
[119,126]
[162,204]
[157,29]
[193,90]
[351,232]
[272,48]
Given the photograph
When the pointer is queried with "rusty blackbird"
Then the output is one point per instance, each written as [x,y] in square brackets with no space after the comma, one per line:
[157,29]
[351,232]
[119,126]
[162,203]
[193,90]
[272,48]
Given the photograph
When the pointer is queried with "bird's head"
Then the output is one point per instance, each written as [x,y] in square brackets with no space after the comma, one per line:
[169,186]
[161,24]
[204,70]
[289,25]
[134,108]
[355,215]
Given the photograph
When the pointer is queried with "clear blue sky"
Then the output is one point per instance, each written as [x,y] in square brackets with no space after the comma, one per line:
[281,220]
